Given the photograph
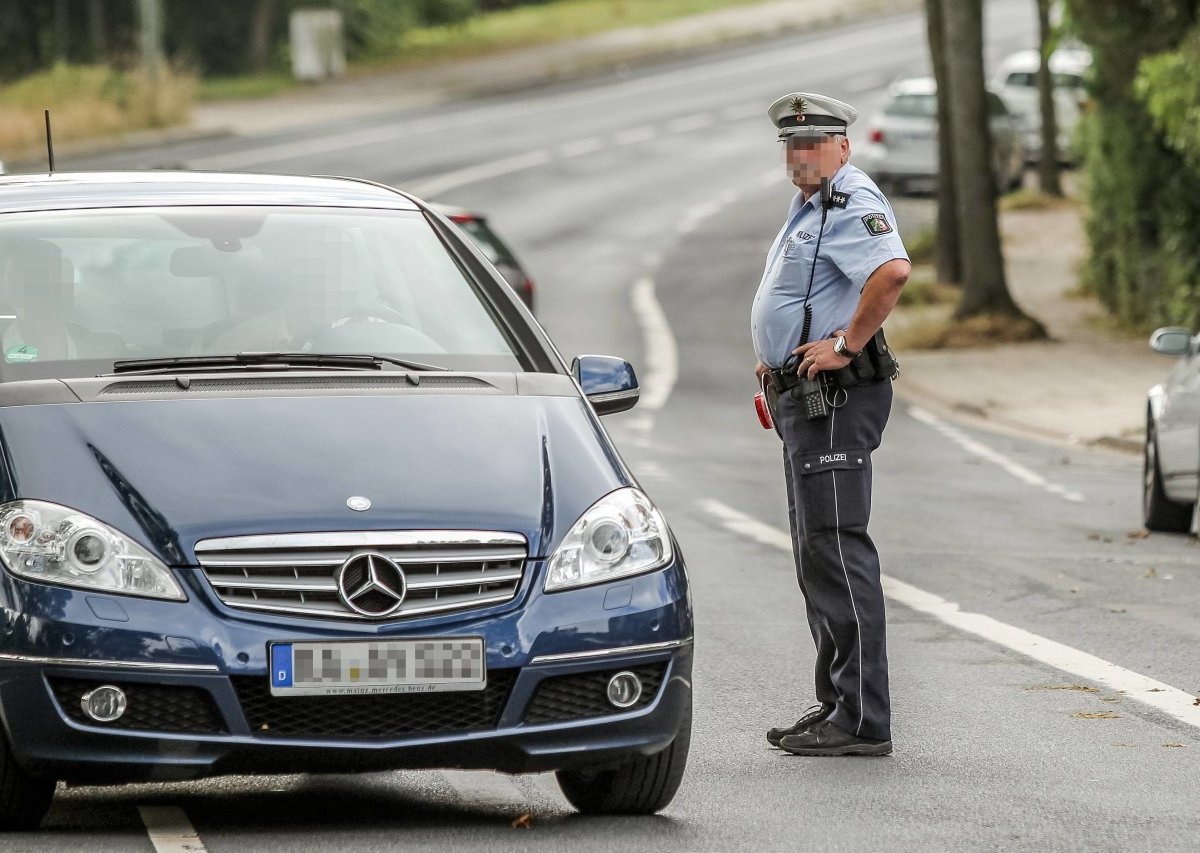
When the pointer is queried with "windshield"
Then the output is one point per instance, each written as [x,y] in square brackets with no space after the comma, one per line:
[81,289]
[913,106]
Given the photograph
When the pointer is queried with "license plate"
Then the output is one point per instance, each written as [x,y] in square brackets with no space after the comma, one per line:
[377,666]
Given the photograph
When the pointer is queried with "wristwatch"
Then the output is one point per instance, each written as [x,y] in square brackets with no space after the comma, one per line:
[839,346]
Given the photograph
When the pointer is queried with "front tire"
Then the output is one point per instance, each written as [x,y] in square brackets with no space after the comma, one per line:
[1159,511]
[24,799]
[640,785]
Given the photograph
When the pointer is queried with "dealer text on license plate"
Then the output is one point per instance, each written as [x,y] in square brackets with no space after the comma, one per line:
[377,666]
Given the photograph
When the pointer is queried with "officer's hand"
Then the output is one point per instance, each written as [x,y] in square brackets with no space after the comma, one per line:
[759,370]
[818,356]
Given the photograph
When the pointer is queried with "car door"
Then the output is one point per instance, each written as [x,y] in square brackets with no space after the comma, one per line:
[1179,428]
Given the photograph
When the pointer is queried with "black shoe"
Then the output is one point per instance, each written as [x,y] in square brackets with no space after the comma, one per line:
[827,739]
[812,716]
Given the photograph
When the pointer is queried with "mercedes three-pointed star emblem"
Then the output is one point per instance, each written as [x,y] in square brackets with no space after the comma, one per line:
[371,585]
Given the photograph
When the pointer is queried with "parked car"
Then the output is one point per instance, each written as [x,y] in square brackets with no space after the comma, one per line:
[496,250]
[1016,83]
[1171,463]
[902,151]
[291,482]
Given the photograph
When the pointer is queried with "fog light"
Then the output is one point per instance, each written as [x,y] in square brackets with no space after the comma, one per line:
[624,689]
[104,704]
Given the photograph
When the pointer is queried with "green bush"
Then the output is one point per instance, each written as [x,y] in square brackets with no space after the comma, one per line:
[1142,158]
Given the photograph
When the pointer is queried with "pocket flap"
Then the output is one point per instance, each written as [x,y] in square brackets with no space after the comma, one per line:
[834,460]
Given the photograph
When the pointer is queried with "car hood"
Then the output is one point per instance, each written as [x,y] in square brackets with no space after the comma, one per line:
[169,473]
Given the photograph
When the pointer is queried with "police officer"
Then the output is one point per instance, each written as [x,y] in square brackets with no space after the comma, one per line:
[832,276]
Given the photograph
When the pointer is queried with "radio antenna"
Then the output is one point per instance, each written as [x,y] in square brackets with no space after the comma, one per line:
[49,142]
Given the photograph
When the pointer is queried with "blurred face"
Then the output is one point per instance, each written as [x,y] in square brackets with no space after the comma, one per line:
[809,159]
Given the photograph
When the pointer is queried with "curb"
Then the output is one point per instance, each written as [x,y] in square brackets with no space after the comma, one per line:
[34,161]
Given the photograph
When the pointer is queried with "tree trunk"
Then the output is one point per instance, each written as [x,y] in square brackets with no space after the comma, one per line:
[1048,162]
[946,245]
[258,49]
[97,30]
[985,290]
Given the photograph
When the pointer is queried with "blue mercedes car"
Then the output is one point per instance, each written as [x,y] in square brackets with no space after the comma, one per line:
[291,481]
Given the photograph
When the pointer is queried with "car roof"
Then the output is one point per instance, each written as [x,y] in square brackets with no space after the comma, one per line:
[76,190]
[1065,60]
[914,86]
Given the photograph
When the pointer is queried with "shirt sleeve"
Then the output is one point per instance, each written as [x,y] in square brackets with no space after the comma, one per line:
[864,235]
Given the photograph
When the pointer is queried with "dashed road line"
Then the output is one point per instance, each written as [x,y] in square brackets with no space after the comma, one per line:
[997,458]
[580,147]
[633,135]
[1176,703]
[481,172]
[170,830]
[662,353]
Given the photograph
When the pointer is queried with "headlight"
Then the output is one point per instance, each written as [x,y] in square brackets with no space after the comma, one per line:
[622,534]
[53,544]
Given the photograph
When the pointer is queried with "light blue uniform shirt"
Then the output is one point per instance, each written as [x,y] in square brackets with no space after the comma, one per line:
[857,240]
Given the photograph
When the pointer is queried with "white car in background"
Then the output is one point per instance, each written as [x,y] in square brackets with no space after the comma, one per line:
[1016,82]
[1171,470]
[902,149]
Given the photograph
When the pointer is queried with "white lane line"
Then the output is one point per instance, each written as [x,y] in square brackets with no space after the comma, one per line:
[1016,469]
[1163,697]
[580,147]
[635,134]
[742,112]
[688,124]
[701,212]
[662,354]
[170,831]
[481,172]
[482,787]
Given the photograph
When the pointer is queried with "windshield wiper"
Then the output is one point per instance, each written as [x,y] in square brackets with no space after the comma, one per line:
[277,359]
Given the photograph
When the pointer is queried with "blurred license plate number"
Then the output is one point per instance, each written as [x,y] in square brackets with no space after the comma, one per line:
[377,666]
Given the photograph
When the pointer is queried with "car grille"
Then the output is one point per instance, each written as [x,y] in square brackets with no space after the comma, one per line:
[366,717]
[151,707]
[570,697]
[298,573]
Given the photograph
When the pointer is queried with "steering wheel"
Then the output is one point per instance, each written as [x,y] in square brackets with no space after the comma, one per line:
[359,314]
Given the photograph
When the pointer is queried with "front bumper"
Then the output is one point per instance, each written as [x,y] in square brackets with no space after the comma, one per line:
[202,707]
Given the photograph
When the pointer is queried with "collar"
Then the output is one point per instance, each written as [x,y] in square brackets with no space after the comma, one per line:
[800,200]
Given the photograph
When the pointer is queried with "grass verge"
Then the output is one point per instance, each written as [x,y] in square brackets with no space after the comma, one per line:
[939,330]
[88,101]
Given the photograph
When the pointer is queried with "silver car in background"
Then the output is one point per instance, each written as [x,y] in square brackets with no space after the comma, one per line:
[902,151]
[1171,470]
[1016,83]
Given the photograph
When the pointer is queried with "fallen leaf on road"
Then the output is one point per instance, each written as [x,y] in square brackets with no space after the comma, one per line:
[1197,702]
[1125,744]
[1150,573]
[1082,688]
[1173,745]
[1116,610]
[1155,690]
[1096,715]
[1094,537]
[525,821]
[1139,534]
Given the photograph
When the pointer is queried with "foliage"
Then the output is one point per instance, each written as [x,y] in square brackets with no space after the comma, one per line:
[1142,157]
[89,101]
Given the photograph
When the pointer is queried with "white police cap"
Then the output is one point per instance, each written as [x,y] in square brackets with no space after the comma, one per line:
[806,114]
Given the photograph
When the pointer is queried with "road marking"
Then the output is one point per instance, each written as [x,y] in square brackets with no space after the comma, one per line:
[483,787]
[742,112]
[170,831]
[635,134]
[662,354]
[691,123]
[1163,697]
[1016,469]
[701,212]
[482,172]
[580,147]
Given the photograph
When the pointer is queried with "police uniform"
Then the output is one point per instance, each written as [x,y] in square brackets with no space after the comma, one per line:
[827,461]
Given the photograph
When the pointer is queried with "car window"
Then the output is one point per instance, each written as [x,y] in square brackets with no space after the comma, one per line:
[82,287]
[485,238]
[1026,79]
[913,106]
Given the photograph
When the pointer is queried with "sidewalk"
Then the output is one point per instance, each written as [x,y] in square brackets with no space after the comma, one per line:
[1085,386]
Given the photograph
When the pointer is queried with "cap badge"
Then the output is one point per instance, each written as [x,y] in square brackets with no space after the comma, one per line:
[799,106]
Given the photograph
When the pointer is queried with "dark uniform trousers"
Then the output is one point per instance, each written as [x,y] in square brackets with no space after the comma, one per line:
[827,464]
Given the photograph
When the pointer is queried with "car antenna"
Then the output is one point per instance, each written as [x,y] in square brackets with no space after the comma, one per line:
[49,142]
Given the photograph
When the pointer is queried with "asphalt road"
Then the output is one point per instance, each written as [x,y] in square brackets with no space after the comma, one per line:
[643,206]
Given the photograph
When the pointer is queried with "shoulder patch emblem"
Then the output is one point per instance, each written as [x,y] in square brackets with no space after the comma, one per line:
[877,224]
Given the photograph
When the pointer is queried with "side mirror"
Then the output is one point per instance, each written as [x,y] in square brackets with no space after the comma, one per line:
[609,383]
[1175,341]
